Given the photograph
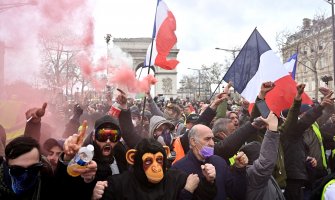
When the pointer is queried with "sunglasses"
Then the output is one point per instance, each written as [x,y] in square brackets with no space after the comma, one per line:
[102,135]
[18,170]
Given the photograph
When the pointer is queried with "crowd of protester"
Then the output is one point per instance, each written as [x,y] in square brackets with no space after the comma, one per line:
[177,149]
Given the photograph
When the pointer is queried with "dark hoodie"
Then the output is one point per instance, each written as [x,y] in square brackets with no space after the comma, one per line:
[135,185]
[76,188]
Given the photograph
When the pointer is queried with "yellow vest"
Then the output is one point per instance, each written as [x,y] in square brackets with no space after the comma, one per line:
[325,187]
[317,132]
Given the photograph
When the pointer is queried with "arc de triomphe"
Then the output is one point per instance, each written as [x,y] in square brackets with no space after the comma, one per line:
[137,48]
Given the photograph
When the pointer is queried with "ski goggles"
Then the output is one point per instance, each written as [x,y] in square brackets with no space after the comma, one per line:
[18,170]
[102,135]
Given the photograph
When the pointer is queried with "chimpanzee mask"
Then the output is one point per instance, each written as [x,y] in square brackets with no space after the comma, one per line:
[148,160]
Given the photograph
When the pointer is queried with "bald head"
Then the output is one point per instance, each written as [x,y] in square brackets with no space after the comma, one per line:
[197,130]
[200,136]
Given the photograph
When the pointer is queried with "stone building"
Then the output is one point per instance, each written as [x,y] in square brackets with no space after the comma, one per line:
[137,48]
[313,43]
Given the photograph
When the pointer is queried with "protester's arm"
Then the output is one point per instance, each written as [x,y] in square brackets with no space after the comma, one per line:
[326,114]
[313,114]
[328,110]
[128,131]
[73,186]
[231,144]
[245,115]
[292,118]
[293,113]
[262,168]
[208,115]
[33,125]
[33,129]
[153,106]
[222,108]
[127,128]
[72,126]
[265,88]
[205,190]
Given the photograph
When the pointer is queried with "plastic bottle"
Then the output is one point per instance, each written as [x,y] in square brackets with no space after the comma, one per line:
[81,159]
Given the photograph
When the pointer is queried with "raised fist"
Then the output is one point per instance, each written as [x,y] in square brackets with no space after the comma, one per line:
[35,114]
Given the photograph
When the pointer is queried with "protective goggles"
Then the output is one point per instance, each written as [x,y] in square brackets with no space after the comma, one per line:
[18,170]
[102,135]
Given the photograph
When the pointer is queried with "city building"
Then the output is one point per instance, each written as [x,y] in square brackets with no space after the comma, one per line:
[313,43]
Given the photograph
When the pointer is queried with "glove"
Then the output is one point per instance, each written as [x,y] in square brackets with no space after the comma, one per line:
[77,111]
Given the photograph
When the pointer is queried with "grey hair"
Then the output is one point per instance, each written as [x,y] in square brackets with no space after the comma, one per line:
[193,133]
[220,125]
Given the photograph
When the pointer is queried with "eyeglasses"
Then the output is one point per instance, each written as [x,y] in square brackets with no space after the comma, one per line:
[18,170]
[102,135]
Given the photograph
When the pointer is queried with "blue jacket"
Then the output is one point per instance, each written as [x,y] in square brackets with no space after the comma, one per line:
[229,183]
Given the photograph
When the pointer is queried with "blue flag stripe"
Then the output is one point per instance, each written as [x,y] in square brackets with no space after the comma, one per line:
[247,61]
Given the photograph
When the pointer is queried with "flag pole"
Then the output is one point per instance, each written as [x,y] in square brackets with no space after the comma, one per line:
[215,89]
[140,73]
[152,43]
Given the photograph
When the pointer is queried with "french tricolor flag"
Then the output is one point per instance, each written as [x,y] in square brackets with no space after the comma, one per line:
[291,65]
[164,39]
[257,63]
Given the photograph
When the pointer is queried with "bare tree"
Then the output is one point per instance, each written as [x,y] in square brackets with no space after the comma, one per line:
[214,73]
[58,65]
[189,85]
[282,39]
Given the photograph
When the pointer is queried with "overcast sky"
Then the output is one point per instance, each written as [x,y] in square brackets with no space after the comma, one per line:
[203,25]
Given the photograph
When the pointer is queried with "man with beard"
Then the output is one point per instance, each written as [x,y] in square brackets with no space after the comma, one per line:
[109,158]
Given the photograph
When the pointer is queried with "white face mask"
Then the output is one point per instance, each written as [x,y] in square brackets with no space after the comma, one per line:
[134,122]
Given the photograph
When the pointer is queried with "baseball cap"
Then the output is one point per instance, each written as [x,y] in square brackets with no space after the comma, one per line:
[191,118]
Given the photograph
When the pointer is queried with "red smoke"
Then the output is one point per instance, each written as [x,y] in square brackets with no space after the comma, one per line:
[124,78]
[23,25]
[26,22]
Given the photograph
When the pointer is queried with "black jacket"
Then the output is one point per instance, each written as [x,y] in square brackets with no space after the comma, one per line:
[230,145]
[44,189]
[295,150]
[127,186]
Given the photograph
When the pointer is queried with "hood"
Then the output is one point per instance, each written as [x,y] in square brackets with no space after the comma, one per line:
[156,121]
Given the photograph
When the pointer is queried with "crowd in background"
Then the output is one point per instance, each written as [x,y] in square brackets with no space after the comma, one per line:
[217,150]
